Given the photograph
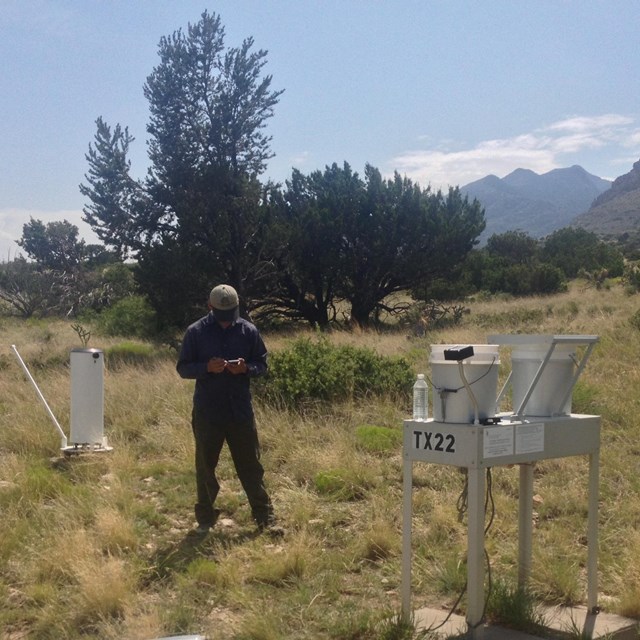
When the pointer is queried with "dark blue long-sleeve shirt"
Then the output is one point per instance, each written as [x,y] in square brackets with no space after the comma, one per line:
[224,396]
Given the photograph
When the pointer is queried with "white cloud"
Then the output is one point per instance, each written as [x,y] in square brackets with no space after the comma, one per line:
[300,159]
[633,140]
[498,157]
[609,121]
[12,221]
[541,150]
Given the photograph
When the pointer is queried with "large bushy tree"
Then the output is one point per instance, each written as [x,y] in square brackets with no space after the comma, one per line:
[312,216]
[514,247]
[573,249]
[198,217]
[361,240]
[63,275]
[454,225]
[54,245]
[26,289]
[114,195]
[201,215]
[510,262]
[403,237]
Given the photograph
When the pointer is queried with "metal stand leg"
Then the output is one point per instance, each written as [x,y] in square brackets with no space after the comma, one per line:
[407,482]
[525,524]
[592,533]
[475,557]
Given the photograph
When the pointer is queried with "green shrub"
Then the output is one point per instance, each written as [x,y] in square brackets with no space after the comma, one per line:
[330,482]
[132,316]
[545,278]
[378,439]
[340,484]
[204,572]
[317,370]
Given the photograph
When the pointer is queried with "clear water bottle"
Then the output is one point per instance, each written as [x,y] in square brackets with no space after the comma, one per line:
[420,394]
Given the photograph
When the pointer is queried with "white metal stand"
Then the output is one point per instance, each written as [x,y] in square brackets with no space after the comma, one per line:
[515,440]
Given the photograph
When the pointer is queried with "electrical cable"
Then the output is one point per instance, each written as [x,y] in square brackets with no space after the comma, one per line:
[486,373]
[443,391]
[463,499]
[472,397]
[488,500]
[461,506]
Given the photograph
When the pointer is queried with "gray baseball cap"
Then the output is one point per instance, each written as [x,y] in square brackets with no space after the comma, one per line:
[224,303]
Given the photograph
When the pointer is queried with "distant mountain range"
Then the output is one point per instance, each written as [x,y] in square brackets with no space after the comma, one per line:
[617,210]
[534,203]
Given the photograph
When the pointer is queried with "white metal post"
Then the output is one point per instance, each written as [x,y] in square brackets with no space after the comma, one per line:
[525,524]
[592,532]
[475,554]
[407,482]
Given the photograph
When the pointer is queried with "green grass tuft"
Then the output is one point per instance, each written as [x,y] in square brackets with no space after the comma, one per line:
[378,439]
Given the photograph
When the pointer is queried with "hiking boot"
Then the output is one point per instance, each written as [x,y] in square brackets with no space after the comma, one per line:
[271,529]
[201,530]
[206,519]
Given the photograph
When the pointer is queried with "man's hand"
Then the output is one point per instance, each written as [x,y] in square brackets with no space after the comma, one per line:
[236,366]
[216,365]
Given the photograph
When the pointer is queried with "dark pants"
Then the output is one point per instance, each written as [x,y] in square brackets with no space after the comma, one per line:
[242,440]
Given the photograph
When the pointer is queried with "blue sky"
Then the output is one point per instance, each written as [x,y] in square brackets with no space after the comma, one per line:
[443,91]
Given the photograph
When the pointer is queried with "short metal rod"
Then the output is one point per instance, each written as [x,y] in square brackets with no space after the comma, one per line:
[44,402]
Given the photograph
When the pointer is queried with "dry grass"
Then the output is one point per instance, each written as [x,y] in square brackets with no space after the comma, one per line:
[97,546]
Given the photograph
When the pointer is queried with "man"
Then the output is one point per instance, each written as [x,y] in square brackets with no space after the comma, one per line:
[222,351]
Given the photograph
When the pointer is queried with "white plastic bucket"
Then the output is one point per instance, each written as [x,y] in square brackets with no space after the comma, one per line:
[554,383]
[451,401]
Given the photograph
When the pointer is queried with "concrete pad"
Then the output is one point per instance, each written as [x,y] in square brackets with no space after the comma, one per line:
[601,625]
[560,622]
[456,626]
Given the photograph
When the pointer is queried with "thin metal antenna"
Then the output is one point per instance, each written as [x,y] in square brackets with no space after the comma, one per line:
[42,399]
